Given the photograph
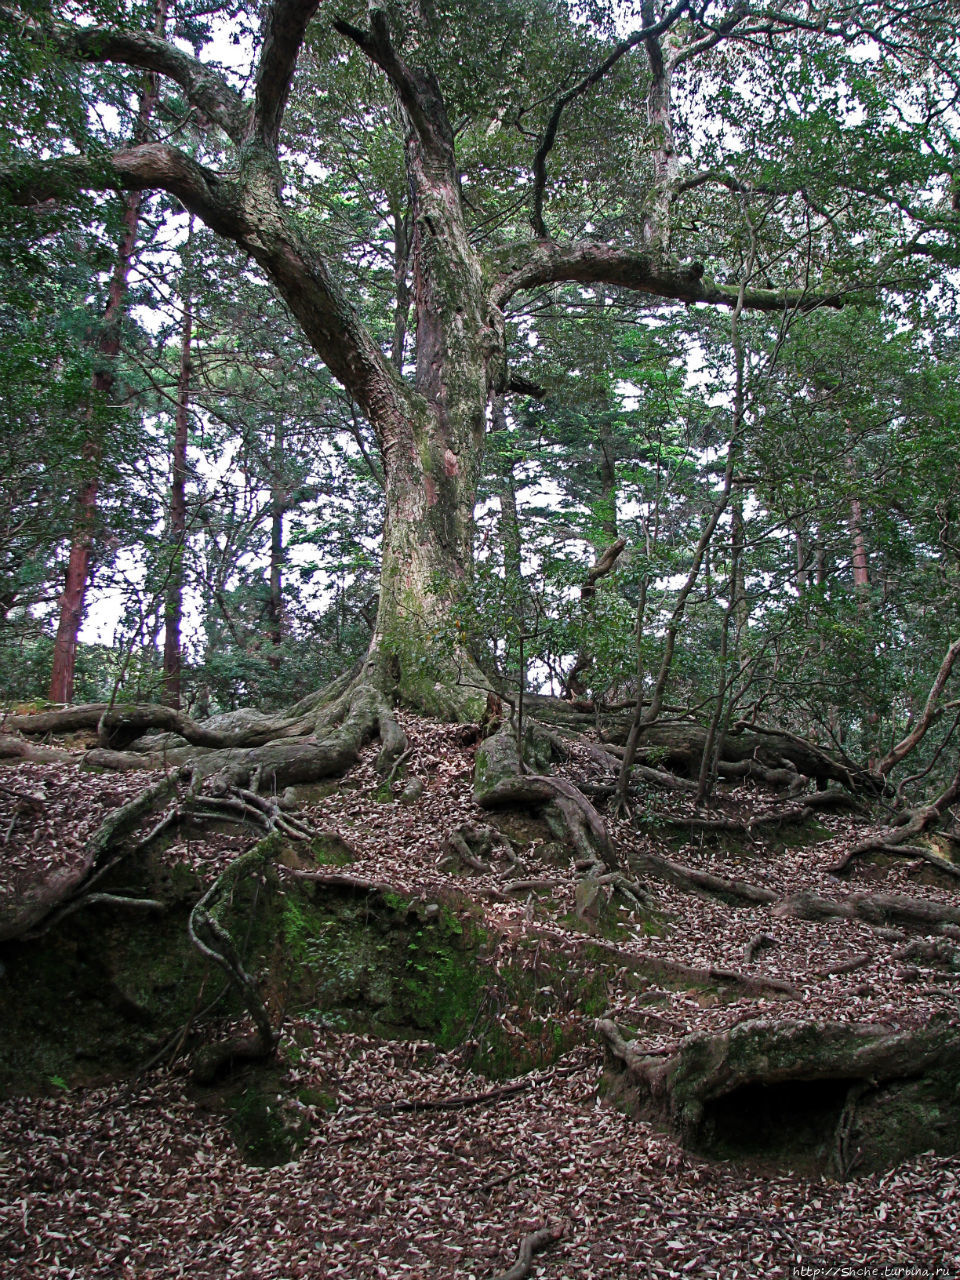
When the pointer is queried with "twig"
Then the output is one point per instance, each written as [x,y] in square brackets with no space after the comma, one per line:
[457,1103]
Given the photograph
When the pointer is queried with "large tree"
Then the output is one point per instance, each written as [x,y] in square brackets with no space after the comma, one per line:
[772,158]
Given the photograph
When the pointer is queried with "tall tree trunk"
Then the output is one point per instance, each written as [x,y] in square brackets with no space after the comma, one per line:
[275,599]
[511,546]
[735,608]
[656,222]
[611,545]
[107,346]
[432,438]
[173,602]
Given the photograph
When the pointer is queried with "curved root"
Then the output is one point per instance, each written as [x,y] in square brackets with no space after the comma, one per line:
[212,939]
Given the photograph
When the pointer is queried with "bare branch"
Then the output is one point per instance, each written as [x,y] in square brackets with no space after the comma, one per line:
[646,32]
[716,34]
[930,713]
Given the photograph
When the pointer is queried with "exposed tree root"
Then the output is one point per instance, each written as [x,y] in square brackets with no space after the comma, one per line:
[874,908]
[326,749]
[674,970]
[894,843]
[939,953]
[704,1089]
[67,890]
[679,744]
[695,881]
[531,1245]
[796,813]
[211,937]
[63,720]
[759,942]
[501,782]
[846,966]
[14,748]
[474,844]
[242,804]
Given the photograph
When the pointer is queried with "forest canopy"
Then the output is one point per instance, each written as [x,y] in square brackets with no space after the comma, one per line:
[597,350]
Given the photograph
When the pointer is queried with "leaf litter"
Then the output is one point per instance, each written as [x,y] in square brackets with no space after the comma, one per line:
[142,1180]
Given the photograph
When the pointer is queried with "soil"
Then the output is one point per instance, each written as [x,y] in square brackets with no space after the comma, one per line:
[439,1090]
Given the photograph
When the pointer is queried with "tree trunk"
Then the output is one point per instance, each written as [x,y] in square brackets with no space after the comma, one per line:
[73,599]
[656,222]
[432,447]
[173,604]
[275,600]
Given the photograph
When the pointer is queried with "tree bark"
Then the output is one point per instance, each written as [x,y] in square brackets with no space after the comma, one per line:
[107,346]
[173,603]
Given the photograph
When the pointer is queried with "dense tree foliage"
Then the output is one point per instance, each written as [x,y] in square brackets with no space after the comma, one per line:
[664,293]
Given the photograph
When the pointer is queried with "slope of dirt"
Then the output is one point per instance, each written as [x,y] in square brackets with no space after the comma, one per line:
[156,1178]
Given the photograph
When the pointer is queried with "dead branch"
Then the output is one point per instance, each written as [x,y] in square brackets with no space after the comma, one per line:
[458,1103]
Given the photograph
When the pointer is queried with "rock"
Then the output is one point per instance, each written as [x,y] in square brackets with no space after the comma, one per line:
[497,761]
[412,792]
[587,899]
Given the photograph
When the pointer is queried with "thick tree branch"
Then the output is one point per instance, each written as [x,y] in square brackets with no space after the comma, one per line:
[518,385]
[540,262]
[152,166]
[204,87]
[259,226]
[418,91]
[284,28]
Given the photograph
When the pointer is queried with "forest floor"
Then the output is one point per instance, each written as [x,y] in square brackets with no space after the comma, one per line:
[142,1179]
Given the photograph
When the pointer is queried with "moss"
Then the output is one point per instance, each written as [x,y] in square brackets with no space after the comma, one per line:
[265,1128]
[328,850]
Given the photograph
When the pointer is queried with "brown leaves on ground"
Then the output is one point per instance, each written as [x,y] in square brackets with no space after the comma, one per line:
[148,1184]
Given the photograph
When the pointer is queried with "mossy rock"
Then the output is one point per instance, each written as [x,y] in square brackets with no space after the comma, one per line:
[498,759]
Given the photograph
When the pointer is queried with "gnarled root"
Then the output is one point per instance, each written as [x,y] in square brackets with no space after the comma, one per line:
[211,937]
[500,781]
[67,891]
[327,744]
